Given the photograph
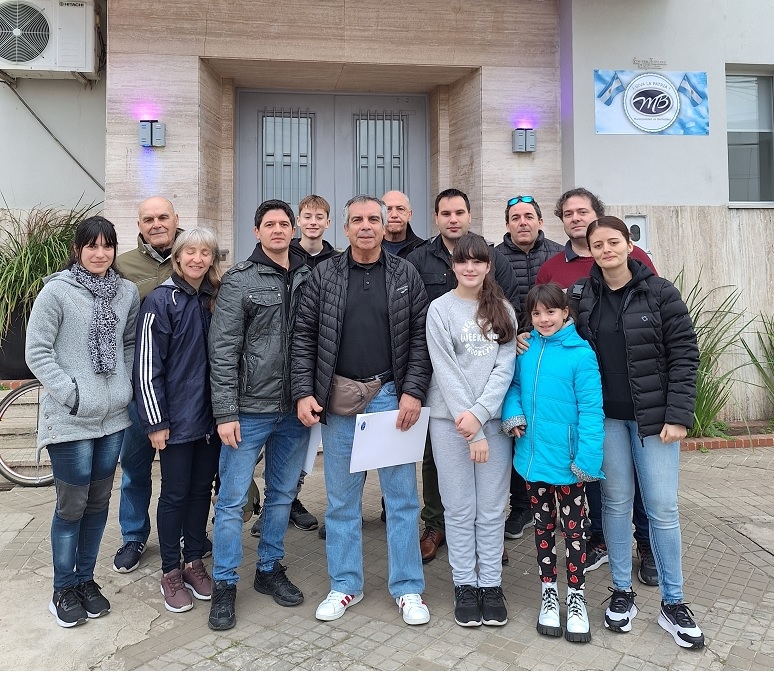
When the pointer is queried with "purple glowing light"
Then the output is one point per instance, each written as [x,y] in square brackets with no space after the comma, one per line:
[146,110]
[525,118]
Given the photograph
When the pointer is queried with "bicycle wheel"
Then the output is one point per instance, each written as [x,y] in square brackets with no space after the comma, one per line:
[20,461]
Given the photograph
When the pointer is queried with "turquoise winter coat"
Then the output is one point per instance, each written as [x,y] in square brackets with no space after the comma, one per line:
[556,386]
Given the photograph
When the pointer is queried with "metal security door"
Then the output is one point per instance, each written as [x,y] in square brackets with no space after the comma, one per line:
[336,146]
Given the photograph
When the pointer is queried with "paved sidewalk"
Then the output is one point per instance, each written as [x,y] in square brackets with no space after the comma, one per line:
[727,511]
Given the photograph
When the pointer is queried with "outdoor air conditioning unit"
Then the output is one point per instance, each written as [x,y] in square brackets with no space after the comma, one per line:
[49,39]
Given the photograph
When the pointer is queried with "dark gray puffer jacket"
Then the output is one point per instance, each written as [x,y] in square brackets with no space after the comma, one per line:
[662,352]
[317,333]
[526,265]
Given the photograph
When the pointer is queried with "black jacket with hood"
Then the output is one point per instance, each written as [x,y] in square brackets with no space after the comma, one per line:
[433,263]
[312,260]
[662,352]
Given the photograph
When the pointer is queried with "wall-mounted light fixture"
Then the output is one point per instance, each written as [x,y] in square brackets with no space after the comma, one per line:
[523,140]
[152,133]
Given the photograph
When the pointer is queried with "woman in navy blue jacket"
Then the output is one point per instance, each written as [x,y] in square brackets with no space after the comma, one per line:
[172,388]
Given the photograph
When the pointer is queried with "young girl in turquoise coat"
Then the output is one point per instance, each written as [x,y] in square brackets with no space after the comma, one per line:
[554,409]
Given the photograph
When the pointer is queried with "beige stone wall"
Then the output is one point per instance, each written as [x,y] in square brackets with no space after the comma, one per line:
[513,97]
[216,155]
[464,160]
[727,249]
[474,60]
[167,88]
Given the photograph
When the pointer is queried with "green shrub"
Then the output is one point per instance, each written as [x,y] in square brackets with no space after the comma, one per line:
[764,365]
[32,246]
[718,331]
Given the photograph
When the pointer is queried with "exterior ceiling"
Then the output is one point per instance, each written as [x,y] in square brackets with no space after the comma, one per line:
[336,77]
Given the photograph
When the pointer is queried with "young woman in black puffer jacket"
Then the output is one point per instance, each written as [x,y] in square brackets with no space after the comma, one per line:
[648,357]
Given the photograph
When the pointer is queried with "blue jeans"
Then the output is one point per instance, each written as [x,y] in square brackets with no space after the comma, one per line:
[639,516]
[656,465]
[83,474]
[343,519]
[137,456]
[286,440]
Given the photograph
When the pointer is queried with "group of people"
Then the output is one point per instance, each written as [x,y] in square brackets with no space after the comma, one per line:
[560,382]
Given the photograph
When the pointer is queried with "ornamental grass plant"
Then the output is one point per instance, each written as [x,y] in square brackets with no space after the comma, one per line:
[719,324]
[764,362]
[33,244]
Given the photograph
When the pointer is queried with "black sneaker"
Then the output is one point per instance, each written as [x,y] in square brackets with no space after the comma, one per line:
[257,527]
[467,611]
[301,517]
[223,607]
[128,557]
[517,521]
[93,601]
[276,584]
[67,608]
[620,611]
[677,619]
[321,531]
[492,603]
[596,555]
[383,516]
[647,573]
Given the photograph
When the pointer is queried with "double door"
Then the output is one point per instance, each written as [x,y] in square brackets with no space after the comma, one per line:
[335,146]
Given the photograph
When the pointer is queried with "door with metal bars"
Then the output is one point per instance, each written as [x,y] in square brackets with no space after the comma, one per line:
[336,146]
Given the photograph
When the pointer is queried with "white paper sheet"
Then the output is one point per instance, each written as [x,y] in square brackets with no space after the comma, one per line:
[378,443]
[315,439]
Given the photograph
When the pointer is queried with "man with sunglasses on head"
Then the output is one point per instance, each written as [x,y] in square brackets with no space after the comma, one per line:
[433,262]
[526,248]
[577,208]
[525,245]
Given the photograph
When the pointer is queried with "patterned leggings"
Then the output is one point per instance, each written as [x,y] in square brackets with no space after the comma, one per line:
[572,508]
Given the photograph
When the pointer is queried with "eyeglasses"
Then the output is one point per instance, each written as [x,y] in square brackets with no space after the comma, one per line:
[520,199]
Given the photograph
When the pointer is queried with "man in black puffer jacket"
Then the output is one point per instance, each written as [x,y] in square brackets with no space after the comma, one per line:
[362,317]
[525,245]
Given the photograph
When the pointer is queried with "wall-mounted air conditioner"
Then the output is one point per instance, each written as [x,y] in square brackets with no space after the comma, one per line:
[49,39]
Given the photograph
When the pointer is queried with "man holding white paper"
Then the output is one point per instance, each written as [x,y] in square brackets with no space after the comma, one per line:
[359,347]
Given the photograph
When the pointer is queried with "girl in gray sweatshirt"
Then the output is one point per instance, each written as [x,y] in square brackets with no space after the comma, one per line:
[470,336]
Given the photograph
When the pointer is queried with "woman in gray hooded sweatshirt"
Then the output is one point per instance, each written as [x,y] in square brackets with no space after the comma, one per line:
[80,345]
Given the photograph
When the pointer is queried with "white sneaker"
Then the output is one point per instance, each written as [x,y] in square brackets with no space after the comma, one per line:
[548,619]
[577,617]
[415,611]
[334,606]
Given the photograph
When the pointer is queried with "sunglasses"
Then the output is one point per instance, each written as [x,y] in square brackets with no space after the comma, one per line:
[520,199]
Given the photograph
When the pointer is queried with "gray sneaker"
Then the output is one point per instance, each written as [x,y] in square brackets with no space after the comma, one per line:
[301,517]
[517,521]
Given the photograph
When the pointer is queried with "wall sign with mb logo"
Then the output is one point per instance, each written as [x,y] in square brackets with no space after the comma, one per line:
[664,103]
